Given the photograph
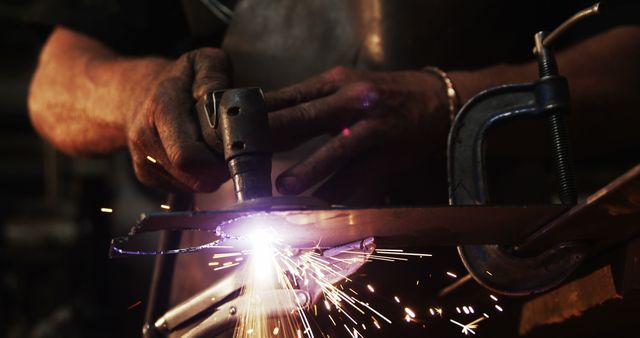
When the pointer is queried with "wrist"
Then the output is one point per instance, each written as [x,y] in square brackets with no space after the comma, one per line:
[470,83]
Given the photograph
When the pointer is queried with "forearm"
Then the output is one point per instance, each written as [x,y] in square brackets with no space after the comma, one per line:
[83,93]
[603,77]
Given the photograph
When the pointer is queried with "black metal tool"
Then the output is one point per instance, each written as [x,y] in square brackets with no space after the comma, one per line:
[500,268]
[234,122]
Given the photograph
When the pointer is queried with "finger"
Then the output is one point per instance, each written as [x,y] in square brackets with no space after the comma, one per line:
[336,153]
[211,68]
[313,88]
[187,157]
[148,143]
[325,115]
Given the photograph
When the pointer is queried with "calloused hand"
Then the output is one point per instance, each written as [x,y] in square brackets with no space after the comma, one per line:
[163,135]
[383,124]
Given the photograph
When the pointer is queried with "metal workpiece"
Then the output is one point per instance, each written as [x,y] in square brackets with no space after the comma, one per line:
[327,228]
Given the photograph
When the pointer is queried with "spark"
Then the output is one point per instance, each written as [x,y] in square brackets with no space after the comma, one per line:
[489,273]
[164,206]
[407,318]
[417,282]
[226,266]
[485,315]
[370,288]
[376,324]
[134,305]
[151,159]
[239,259]
[276,330]
[354,291]
[433,313]
[495,299]
[397,299]
[451,274]
[458,309]
[214,263]
[466,310]
[333,321]
[439,311]
[225,255]
[106,210]
[394,252]
[471,309]
[250,331]
[410,312]
[465,329]
[498,307]
[363,326]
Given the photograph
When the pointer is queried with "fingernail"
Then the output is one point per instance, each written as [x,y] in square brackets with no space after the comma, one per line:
[287,185]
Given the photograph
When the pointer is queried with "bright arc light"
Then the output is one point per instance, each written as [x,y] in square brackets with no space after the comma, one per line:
[263,251]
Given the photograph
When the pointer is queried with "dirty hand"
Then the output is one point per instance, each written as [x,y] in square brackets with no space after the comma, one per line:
[382,124]
[163,135]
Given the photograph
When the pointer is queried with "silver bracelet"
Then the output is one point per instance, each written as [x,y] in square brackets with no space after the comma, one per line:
[452,95]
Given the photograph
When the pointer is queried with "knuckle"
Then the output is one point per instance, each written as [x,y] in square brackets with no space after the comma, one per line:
[180,159]
[363,94]
[338,73]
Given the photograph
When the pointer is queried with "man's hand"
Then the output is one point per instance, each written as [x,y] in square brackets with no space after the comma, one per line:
[86,99]
[382,124]
[166,129]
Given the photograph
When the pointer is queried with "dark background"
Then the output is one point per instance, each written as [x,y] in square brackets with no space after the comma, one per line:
[55,276]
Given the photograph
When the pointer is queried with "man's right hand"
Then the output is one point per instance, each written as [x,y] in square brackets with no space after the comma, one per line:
[86,99]
[165,128]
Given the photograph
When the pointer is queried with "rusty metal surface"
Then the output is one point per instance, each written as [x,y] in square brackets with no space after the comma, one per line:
[441,225]
[609,217]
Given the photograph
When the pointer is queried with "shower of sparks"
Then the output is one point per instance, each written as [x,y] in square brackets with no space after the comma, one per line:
[106,210]
[271,265]
[151,159]
[165,207]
